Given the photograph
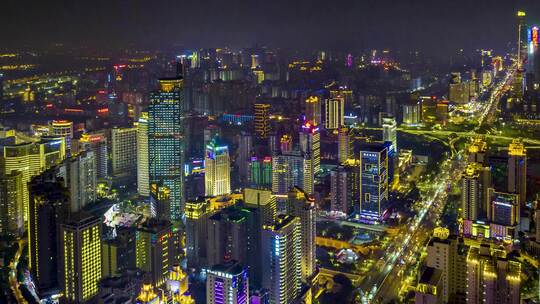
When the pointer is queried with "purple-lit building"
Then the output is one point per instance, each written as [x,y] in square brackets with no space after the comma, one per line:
[227,283]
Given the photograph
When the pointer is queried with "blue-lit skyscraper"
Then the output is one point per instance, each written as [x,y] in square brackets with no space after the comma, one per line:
[166,113]
[373,181]
[227,283]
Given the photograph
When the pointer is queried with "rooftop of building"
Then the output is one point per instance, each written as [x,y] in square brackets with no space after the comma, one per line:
[431,276]
[231,267]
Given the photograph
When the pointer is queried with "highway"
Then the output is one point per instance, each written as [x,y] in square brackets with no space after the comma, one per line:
[385,277]
[13,273]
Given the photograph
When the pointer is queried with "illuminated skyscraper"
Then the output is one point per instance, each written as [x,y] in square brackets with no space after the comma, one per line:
[198,213]
[314,109]
[475,182]
[292,169]
[310,143]
[245,147]
[503,214]
[260,172]
[262,119]
[62,128]
[143,183]
[301,205]
[334,113]
[342,189]
[124,152]
[166,113]
[160,201]
[155,249]
[31,159]
[281,259]
[389,133]
[450,256]
[374,180]
[49,205]
[227,283]
[522,40]
[344,145]
[80,177]
[492,277]
[80,239]
[217,169]
[229,236]
[97,143]
[11,203]
[517,170]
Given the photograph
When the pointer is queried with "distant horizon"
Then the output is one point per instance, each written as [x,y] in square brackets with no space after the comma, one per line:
[433,27]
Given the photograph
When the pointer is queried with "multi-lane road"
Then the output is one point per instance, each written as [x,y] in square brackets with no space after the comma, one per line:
[386,276]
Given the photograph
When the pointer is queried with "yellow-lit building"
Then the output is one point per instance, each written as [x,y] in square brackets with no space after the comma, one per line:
[313,109]
[81,257]
[143,184]
[11,203]
[517,169]
[62,128]
[262,119]
[31,159]
[335,113]
[492,277]
[124,151]
[217,169]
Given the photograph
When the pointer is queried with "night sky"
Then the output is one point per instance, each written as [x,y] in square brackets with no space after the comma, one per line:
[432,25]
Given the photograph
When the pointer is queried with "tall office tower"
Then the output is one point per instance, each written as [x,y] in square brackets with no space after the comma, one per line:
[155,249]
[160,201]
[119,253]
[49,205]
[263,206]
[286,143]
[428,290]
[281,259]
[301,205]
[80,238]
[217,169]
[517,170]
[245,148]
[374,180]
[143,175]
[450,256]
[344,145]
[227,283]
[310,143]
[477,151]
[198,213]
[262,119]
[334,113]
[475,182]
[313,110]
[230,235]
[503,214]
[288,170]
[339,192]
[309,174]
[412,113]
[260,172]
[389,133]
[166,113]
[262,200]
[30,159]
[522,38]
[124,152]
[11,203]
[97,143]
[62,128]
[492,277]
[80,179]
